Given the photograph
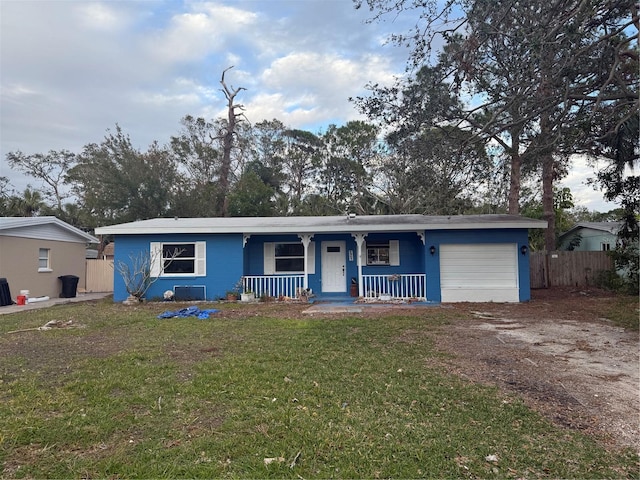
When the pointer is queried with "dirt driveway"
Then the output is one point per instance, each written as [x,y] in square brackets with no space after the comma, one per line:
[573,366]
[558,352]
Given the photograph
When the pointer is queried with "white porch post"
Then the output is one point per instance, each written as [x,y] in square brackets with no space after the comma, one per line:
[359,238]
[306,240]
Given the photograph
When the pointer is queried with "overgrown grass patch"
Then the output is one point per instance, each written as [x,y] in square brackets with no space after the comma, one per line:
[625,312]
[129,395]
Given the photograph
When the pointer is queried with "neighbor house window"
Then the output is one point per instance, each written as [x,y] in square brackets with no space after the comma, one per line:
[44,260]
[605,247]
[382,253]
[175,259]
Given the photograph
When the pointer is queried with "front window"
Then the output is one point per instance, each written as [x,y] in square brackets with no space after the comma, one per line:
[44,264]
[289,257]
[178,258]
[378,253]
[606,247]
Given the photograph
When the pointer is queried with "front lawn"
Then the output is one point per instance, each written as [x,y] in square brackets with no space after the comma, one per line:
[262,394]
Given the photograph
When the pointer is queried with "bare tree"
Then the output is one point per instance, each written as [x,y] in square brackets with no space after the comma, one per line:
[136,273]
[227,135]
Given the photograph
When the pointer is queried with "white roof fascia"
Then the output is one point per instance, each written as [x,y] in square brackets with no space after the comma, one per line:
[11,226]
[301,225]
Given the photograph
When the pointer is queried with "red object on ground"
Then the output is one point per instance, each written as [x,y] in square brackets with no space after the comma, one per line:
[22,300]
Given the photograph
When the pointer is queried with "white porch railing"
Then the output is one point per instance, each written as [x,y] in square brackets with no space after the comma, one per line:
[399,286]
[273,285]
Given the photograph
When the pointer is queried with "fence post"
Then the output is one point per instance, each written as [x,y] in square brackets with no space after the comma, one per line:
[547,277]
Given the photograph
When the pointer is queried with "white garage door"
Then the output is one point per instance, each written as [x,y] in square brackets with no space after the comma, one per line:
[479,273]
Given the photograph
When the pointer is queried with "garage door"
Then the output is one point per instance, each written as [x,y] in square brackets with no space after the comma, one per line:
[479,273]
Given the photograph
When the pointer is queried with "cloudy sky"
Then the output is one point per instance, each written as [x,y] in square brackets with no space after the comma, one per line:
[70,70]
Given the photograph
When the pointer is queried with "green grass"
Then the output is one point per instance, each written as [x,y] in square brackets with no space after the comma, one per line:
[131,396]
[624,312]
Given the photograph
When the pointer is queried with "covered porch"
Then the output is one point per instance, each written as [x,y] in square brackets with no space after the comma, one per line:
[384,266]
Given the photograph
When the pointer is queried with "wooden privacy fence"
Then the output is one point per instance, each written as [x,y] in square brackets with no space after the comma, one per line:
[99,276]
[567,269]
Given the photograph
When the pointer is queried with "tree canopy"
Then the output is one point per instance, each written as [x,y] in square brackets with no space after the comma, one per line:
[536,80]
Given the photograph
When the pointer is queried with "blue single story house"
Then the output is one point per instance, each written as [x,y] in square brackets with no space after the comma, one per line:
[475,258]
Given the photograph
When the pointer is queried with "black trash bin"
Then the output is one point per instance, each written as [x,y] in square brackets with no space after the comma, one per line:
[69,286]
[5,293]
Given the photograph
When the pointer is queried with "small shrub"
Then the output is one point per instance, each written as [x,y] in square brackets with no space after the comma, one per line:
[625,278]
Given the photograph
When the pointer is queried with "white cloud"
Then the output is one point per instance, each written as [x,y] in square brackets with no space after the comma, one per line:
[190,36]
[16,92]
[99,16]
[72,70]
[314,85]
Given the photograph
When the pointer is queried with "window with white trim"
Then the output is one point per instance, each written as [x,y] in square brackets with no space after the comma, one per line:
[383,252]
[606,247]
[44,260]
[378,253]
[178,259]
[287,257]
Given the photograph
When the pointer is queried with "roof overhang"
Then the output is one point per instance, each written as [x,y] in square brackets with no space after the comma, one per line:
[322,224]
[611,228]
[13,226]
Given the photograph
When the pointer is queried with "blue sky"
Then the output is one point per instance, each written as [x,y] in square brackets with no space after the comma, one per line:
[70,70]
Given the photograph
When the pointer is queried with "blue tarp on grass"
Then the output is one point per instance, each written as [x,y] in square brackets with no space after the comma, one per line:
[188,312]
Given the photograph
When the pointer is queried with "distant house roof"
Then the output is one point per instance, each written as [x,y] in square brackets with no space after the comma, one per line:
[44,228]
[320,224]
[606,227]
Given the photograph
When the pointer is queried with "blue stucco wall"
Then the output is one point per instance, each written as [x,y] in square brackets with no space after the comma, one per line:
[227,260]
[224,263]
[438,237]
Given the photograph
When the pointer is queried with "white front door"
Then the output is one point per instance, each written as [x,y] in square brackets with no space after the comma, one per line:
[334,277]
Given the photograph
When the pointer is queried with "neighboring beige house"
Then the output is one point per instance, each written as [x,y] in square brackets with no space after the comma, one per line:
[35,251]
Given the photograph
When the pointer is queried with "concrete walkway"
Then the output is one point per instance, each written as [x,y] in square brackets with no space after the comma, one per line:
[80,297]
[350,306]
[333,308]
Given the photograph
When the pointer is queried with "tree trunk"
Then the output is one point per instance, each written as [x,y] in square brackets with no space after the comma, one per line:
[546,150]
[548,212]
[515,173]
[225,167]
[227,145]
